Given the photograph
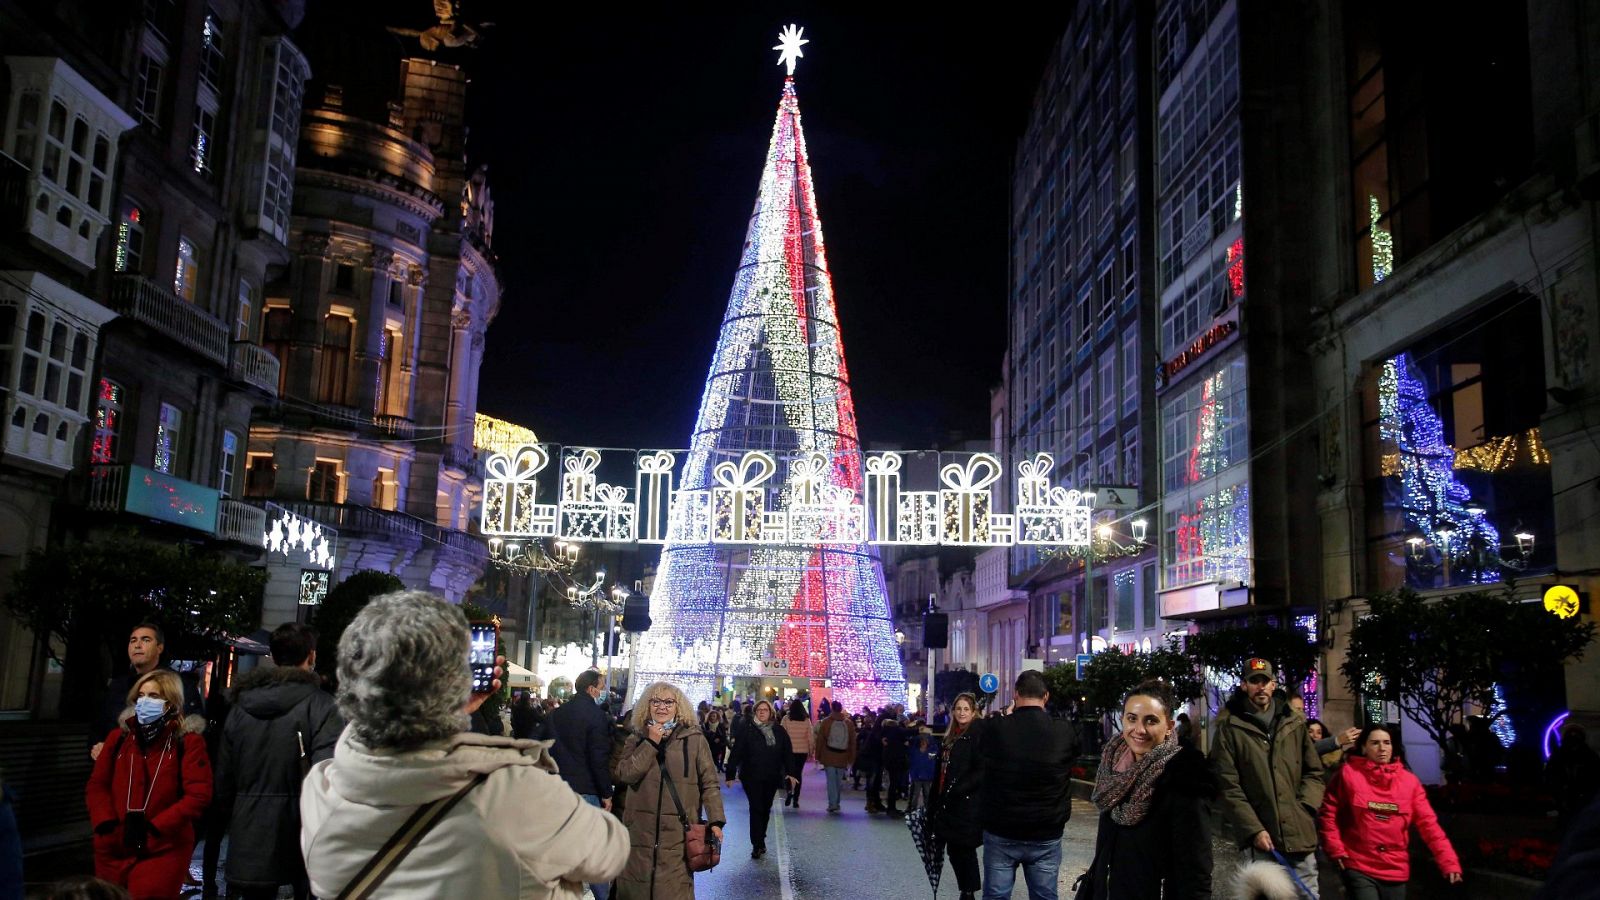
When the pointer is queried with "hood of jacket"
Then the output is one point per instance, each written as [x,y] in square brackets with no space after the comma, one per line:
[267,693]
[190,724]
[1380,775]
[380,777]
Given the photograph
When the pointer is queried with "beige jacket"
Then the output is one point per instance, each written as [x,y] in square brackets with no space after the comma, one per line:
[522,833]
[652,817]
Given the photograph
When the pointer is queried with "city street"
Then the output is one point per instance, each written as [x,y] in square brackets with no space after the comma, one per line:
[815,855]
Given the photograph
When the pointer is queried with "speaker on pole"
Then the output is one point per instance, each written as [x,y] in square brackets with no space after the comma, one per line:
[636,613]
[935,630]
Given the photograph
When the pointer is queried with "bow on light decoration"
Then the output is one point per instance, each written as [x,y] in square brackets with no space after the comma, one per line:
[510,487]
[807,474]
[883,494]
[578,482]
[1033,480]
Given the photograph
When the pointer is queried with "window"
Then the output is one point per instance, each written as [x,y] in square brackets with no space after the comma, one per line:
[344,278]
[337,333]
[1204,427]
[1130,458]
[1124,586]
[227,463]
[388,369]
[1147,584]
[247,314]
[385,490]
[26,137]
[211,58]
[130,239]
[107,423]
[169,434]
[201,149]
[260,475]
[186,274]
[32,355]
[147,91]
[275,325]
[285,71]
[55,138]
[1130,374]
[1107,379]
[326,484]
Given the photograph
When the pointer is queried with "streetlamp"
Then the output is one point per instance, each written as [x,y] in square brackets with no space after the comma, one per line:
[531,559]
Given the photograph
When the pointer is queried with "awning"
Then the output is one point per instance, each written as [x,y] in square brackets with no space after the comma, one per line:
[517,676]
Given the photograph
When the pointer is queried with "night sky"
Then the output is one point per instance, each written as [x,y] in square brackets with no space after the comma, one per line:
[624,156]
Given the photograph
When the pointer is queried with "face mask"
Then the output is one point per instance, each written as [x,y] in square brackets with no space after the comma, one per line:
[149,709]
[600,700]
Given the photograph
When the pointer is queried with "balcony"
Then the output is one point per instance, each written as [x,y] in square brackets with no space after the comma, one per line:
[157,306]
[350,520]
[154,495]
[255,366]
[463,459]
[241,522]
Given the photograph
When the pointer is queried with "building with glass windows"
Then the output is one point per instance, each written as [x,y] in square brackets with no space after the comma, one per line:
[1082,333]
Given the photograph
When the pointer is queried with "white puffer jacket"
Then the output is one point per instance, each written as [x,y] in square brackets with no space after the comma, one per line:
[522,833]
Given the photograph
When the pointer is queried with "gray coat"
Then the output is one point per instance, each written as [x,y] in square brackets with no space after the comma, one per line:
[278,714]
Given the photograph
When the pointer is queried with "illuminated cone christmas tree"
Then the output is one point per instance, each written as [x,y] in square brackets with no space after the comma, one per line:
[777,384]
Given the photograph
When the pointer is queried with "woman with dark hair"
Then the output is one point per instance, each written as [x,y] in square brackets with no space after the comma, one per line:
[764,760]
[798,728]
[1154,837]
[1318,733]
[716,735]
[953,809]
[1368,810]
[148,788]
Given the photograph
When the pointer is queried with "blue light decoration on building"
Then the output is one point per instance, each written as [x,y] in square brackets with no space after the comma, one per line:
[1500,719]
[1433,501]
[1308,688]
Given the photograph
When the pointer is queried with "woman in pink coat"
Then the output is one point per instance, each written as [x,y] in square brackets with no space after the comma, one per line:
[1370,805]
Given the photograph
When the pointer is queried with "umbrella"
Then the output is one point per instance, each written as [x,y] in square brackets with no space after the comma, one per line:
[929,845]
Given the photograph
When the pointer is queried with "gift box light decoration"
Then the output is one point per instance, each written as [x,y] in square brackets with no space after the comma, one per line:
[510,492]
[590,510]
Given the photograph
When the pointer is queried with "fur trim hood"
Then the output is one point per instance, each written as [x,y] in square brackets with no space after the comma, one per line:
[190,724]
[1263,880]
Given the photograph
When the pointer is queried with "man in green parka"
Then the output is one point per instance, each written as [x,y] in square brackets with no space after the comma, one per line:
[1272,779]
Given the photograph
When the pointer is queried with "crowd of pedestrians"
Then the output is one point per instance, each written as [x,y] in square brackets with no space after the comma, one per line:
[393,782]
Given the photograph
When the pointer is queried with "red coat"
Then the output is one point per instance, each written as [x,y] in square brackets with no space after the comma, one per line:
[1367,814]
[179,793]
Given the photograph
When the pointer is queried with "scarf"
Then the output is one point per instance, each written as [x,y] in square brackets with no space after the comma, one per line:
[1126,794]
[766,731]
[149,734]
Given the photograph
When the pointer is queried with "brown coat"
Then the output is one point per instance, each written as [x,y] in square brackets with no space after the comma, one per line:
[841,759]
[654,831]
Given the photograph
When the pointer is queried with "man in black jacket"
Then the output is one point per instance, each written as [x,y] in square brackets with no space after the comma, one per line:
[1026,794]
[282,722]
[582,734]
[146,644]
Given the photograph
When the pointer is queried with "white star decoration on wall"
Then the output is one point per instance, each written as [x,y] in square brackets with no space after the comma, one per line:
[789,42]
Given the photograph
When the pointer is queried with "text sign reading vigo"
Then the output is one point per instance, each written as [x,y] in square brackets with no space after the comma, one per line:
[754,498]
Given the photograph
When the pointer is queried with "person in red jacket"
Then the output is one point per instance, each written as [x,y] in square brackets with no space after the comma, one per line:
[1367,814]
[147,790]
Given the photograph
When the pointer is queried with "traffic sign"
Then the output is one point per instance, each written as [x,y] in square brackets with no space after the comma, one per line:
[989,683]
[1083,660]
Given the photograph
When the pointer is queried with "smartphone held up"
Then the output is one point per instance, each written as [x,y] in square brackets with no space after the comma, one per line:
[485,637]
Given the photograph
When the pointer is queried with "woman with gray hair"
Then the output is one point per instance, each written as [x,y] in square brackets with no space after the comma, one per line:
[504,824]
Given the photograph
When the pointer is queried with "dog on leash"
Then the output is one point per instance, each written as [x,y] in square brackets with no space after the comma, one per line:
[1262,880]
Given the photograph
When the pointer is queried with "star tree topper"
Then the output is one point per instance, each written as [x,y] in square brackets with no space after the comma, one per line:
[789,42]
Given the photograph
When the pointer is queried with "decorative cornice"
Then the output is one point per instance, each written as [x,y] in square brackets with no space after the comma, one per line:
[379,186]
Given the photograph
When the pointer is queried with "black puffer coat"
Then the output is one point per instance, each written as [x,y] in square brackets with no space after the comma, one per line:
[1167,856]
[955,797]
[761,766]
[276,712]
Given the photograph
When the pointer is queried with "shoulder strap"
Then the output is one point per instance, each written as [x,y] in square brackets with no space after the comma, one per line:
[673,790]
[402,842]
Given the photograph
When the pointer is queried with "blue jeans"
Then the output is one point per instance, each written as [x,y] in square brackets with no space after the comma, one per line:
[1040,861]
[835,780]
[601,891]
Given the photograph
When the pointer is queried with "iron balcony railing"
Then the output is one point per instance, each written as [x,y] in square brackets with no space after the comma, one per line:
[254,365]
[157,306]
[350,519]
[241,522]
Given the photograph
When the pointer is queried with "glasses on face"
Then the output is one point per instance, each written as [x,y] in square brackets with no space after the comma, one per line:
[660,702]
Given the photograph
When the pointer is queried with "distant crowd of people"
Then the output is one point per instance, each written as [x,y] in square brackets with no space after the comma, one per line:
[392,786]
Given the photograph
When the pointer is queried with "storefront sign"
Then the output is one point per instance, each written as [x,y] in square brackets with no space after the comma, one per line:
[160,496]
[1219,334]
[1562,600]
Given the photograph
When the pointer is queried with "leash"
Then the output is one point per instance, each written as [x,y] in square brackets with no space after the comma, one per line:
[1287,865]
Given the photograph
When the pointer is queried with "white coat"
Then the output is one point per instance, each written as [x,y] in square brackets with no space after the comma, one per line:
[522,833]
